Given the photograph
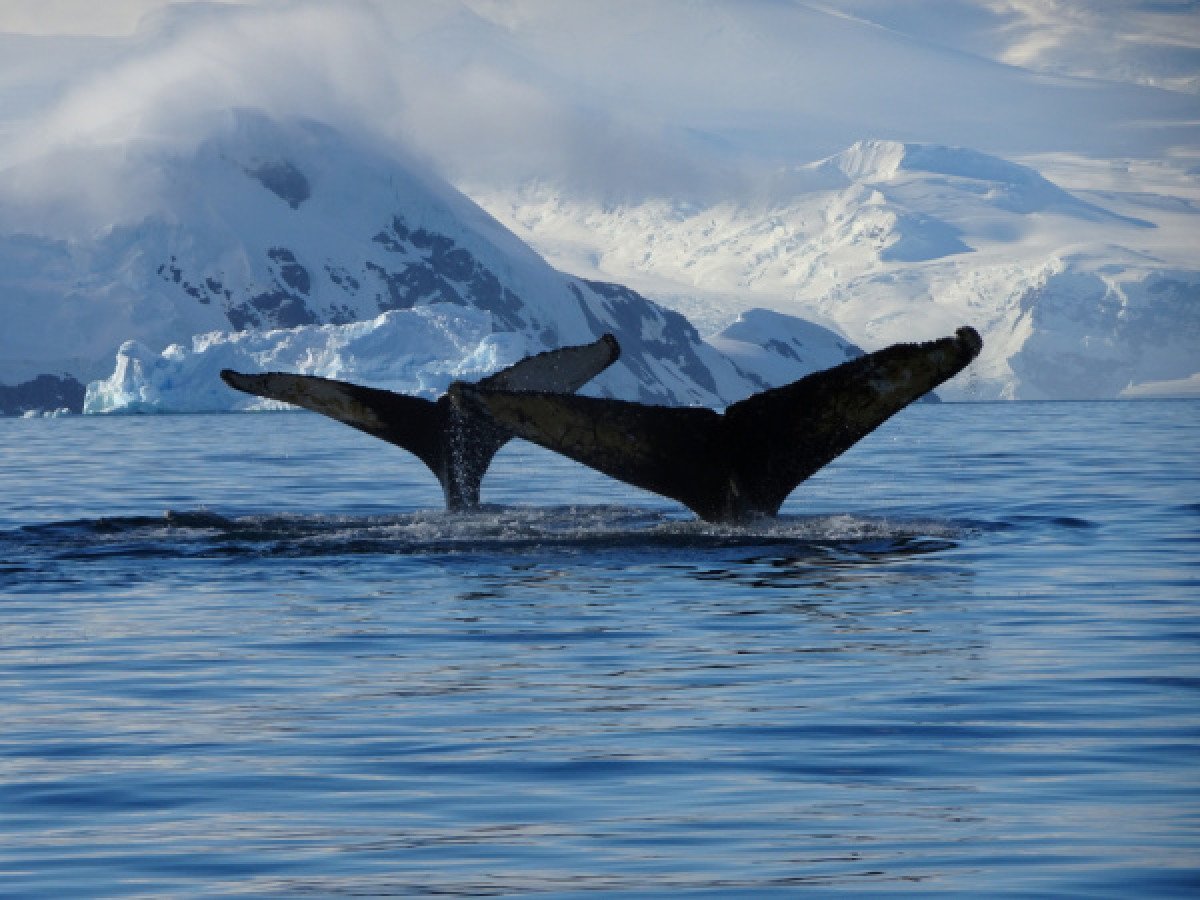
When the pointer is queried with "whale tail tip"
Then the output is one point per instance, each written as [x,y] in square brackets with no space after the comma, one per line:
[744,462]
[969,337]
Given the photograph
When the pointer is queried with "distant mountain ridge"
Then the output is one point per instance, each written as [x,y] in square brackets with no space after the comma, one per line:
[1078,294]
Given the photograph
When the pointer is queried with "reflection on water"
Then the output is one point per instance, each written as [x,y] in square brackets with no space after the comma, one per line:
[965,661]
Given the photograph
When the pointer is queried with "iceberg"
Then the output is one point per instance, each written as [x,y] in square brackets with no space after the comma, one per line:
[417,351]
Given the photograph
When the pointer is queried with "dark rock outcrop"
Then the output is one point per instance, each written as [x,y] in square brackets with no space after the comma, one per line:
[42,394]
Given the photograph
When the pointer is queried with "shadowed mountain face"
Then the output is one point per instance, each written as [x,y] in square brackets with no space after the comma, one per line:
[743,463]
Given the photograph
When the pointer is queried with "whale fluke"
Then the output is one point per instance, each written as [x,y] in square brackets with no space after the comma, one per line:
[745,462]
[456,444]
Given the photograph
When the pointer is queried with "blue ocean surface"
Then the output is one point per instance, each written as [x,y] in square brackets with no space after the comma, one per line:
[251,655]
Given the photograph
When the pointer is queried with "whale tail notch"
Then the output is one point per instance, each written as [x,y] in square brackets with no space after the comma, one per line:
[742,463]
[457,445]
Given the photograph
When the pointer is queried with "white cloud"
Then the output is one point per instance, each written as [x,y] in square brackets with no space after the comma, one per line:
[1155,43]
[617,96]
[107,18]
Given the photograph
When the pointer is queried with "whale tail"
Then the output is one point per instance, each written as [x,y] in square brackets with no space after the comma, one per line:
[456,444]
[743,463]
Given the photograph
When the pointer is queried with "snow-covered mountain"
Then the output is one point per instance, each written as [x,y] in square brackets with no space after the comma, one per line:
[772,348]
[288,245]
[661,146]
[1079,294]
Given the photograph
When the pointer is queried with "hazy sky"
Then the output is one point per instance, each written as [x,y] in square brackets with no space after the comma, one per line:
[623,93]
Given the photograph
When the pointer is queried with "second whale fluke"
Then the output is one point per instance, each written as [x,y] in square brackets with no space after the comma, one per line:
[743,463]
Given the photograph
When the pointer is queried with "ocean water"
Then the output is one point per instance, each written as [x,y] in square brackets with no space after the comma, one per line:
[250,655]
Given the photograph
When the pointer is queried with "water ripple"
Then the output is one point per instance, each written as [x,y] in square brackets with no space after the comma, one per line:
[965,661]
